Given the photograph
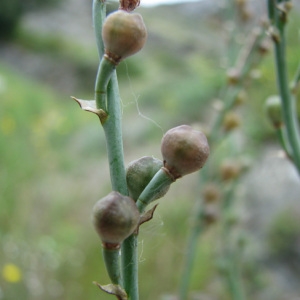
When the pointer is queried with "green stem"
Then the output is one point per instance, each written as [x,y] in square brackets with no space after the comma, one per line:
[281,135]
[113,132]
[233,277]
[105,71]
[190,258]
[130,267]
[129,246]
[114,142]
[160,180]
[111,259]
[99,14]
[288,101]
[233,282]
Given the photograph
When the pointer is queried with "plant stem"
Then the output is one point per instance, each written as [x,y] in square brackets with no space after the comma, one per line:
[233,281]
[130,266]
[190,256]
[288,101]
[99,14]
[114,142]
[160,180]
[105,71]
[111,259]
[281,135]
[230,252]
[129,246]
[113,132]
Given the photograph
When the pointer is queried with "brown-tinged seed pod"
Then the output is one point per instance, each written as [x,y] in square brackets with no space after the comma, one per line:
[231,121]
[211,193]
[230,170]
[264,46]
[240,98]
[210,214]
[129,5]
[115,217]
[233,76]
[140,172]
[124,34]
[184,150]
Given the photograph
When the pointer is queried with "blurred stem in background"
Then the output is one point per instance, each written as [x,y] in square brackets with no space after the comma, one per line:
[278,13]
[248,57]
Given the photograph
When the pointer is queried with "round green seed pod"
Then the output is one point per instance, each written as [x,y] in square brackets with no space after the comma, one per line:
[140,172]
[124,34]
[115,217]
[274,110]
[184,150]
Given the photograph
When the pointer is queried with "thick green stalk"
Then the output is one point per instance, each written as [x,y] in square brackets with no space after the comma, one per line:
[114,142]
[105,71]
[130,267]
[113,132]
[111,259]
[129,246]
[160,180]
[288,100]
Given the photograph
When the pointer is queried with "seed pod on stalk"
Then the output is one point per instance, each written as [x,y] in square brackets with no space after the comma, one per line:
[184,150]
[124,34]
[115,217]
[139,173]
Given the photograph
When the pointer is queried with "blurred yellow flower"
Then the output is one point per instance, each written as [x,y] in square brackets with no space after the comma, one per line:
[11,273]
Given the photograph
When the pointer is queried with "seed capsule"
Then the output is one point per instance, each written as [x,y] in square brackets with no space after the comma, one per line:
[115,217]
[231,121]
[230,170]
[139,173]
[184,150]
[123,34]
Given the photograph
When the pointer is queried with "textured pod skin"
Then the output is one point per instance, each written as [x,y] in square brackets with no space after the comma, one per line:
[139,173]
[115,217]
[123,34]
[184,150]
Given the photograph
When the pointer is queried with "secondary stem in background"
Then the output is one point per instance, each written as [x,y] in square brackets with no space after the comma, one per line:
[278,19]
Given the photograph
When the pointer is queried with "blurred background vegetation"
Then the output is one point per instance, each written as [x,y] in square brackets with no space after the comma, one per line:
[53,165]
